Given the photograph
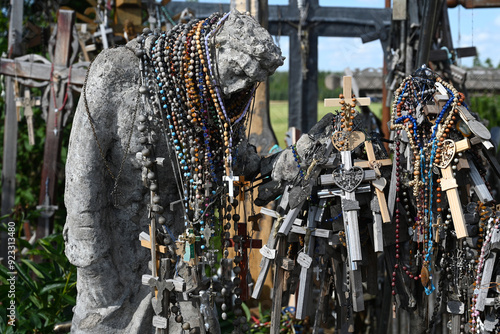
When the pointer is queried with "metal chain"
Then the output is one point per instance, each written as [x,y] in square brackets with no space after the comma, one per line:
[117,178]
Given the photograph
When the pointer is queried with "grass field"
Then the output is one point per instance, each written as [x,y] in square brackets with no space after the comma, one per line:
[279,117]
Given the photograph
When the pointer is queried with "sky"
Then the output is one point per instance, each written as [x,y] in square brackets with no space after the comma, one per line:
[470,27]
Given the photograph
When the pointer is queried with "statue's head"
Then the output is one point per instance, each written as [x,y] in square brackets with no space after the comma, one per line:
[244,51]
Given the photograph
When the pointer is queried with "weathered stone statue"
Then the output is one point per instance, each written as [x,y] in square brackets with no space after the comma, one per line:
[105,197]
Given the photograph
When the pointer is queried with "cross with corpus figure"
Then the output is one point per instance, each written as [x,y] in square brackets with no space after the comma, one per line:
[59,76]
[241,243]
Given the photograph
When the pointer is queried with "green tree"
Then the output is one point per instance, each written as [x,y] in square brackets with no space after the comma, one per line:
[477,62]
[488,63]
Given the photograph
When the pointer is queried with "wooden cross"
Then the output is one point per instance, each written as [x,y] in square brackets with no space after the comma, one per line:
[59,68]
[268,251]
[380,182]
[449,184]
[15,43]
[160,282]
[347,90]
[241,243]
[27,103]
[304,258]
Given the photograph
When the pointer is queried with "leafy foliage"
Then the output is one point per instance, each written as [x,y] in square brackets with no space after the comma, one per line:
[278,87]
[45,289]
[487,108]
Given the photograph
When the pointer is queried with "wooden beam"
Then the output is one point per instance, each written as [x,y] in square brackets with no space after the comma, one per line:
[10,129]
[40,71]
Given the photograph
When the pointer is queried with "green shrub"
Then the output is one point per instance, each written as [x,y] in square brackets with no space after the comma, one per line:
[45,290]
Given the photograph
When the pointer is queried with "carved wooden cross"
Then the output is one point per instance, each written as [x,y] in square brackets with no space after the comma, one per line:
[241,243]
[27,103]
[449,184]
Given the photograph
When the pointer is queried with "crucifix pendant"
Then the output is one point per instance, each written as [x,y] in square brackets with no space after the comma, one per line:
[230,178]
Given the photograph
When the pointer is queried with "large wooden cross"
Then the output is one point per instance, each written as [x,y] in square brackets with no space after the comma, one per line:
[59,76]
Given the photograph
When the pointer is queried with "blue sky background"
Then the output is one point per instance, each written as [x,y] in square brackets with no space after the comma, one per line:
[470,27]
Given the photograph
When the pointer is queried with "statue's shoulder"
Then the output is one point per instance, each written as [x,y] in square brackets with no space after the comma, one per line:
[115,67]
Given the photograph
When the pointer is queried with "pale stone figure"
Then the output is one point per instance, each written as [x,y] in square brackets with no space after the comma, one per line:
[105,197]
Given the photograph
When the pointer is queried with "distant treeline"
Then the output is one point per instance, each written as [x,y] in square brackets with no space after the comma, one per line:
[278,86]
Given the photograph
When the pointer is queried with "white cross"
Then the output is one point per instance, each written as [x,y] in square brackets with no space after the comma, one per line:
[230,179]
[317,270]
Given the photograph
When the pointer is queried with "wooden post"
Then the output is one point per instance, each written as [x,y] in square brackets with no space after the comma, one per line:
[278,287]
[10,129]
[260,133]
[53,139]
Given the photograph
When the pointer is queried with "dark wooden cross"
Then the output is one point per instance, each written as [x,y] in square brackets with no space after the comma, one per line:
[60,75]
[241,243]
[10,129]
